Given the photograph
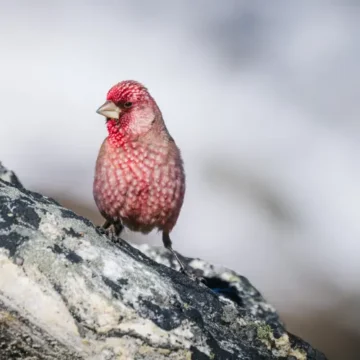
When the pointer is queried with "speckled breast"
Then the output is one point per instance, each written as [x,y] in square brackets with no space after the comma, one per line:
[142,185]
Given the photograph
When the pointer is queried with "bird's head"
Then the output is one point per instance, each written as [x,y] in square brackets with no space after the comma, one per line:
[129,109]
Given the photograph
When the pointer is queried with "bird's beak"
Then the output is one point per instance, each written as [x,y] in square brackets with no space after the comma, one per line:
[109,110]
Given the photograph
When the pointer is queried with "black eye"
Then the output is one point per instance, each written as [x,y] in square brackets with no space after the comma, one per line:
[128,104]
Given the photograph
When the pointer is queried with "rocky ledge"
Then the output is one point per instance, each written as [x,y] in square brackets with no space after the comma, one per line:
[68,292]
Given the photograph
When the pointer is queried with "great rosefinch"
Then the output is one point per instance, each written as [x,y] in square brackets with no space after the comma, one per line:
[139,178]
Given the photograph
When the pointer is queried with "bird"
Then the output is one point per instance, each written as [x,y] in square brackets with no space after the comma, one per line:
[139,180]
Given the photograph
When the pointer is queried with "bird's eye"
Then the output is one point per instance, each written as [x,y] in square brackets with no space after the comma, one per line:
[128,104]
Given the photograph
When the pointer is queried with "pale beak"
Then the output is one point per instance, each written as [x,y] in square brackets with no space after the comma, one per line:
[109,110]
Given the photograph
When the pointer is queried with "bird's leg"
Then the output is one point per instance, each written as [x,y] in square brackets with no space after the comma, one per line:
[106,224]
[112,230]
[118,227]
[104,228]
[168,245]
[115,234]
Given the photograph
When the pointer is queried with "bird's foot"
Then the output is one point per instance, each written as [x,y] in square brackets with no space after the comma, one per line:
[110,234]
[115,238]
[192,276]
[102,231]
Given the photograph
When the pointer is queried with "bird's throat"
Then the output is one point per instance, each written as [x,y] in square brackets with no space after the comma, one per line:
[118,135]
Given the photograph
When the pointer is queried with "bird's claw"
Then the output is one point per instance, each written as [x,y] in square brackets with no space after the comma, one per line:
[102,231]
[114,238]
[110,234]
[192,276]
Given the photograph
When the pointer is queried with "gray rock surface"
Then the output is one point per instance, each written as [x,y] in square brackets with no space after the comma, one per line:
[9,176]
[68,292]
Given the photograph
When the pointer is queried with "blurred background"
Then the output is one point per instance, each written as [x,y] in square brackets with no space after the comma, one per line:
[262,98]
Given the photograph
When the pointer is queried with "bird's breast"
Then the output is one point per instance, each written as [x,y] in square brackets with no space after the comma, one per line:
[140,184]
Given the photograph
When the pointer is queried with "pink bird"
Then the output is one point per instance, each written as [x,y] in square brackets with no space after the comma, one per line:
[139,177]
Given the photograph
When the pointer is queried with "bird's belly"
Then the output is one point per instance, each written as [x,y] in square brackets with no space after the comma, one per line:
[141,198]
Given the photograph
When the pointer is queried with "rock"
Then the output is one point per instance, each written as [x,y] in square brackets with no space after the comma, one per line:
[68,292]
[9,176]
